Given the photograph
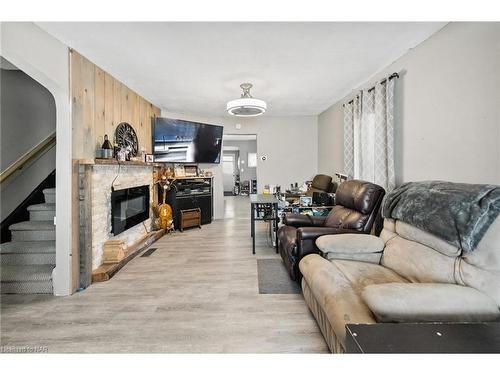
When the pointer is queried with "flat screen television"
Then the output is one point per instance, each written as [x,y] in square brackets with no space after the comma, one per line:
[180,141]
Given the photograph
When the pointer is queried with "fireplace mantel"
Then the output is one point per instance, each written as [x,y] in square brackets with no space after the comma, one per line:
[131,163]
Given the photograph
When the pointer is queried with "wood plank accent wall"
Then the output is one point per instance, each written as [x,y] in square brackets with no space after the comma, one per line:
[99,103]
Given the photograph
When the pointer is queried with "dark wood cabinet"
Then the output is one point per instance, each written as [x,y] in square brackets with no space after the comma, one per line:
[190,218]
[189,193]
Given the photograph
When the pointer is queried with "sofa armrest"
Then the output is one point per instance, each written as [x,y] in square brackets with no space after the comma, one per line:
[350,246]
[312,233]
[350,243]
[306,239]
[299,220]
[429,302]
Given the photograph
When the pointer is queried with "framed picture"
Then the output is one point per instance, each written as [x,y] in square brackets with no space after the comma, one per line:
[305,201]
[190,170]
[150,158]
[179,170]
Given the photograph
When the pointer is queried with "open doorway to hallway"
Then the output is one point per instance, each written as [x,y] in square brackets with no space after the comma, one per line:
[239,164]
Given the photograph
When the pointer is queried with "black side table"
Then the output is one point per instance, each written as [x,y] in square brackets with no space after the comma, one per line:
[423,338]
[263,208]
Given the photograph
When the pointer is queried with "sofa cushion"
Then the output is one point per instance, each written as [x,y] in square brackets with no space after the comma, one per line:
[337,287]
[480,269]
[299,220]
[358,195]
[417,262]
[487,253]
[346,218]
[361,274]
[360,247]
[389,230]
[483,280]
[432,302]
[413,233]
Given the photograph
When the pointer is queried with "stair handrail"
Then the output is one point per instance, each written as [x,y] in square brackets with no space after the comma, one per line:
[37,150]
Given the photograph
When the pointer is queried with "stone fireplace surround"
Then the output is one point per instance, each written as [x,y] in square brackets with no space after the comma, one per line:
[96,180]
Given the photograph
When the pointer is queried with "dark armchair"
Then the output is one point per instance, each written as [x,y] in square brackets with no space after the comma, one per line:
[321,183]
[356,207]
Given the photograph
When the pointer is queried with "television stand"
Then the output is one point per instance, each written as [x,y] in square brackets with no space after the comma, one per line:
[190,193]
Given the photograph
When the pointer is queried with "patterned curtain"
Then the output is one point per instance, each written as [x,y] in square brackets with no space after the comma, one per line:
[352,119]
[369,135]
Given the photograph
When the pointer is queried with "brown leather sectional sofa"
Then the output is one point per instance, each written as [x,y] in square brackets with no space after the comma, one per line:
[357,206]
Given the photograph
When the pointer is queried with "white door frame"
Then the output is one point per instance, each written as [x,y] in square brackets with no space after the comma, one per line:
[234,168]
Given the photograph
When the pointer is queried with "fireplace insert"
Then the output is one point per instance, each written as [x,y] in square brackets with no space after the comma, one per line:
[129,207]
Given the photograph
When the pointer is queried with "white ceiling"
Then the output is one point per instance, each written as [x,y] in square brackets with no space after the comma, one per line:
[298,68]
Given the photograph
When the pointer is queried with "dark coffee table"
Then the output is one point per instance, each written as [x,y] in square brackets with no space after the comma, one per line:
[423,338]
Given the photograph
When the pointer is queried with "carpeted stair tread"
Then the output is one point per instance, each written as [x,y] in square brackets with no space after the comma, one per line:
[28,247]
[42,207]
[27,273]
[27,287]
[50,195]
[33,225]
[28,260]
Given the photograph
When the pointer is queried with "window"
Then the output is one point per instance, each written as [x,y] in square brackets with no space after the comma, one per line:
[252,160]
[228,164]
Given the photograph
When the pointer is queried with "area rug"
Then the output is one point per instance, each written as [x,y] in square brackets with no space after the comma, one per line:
[274,278]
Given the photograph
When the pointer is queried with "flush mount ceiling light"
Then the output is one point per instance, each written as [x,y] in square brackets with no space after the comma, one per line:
[246,106]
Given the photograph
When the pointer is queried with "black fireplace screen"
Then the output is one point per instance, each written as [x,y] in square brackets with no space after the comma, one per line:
[129,207]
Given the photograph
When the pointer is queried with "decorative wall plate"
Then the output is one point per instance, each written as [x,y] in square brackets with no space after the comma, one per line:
[125,137]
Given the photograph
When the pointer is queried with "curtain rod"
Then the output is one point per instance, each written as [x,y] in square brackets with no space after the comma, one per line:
[393,75]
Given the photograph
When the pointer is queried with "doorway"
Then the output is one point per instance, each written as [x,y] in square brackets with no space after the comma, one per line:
[239,164]
[229,171]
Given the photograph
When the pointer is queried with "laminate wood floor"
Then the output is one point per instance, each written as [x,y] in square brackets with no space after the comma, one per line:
[197,293]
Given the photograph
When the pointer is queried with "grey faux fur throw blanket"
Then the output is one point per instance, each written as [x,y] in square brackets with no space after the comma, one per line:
[458,213]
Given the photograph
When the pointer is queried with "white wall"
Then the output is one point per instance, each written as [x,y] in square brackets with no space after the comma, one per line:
[45,59]
[447,109]
[28,116]
[290,144]
[331,140]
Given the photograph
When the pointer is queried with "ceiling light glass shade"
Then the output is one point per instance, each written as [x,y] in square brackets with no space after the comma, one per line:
[246,107]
